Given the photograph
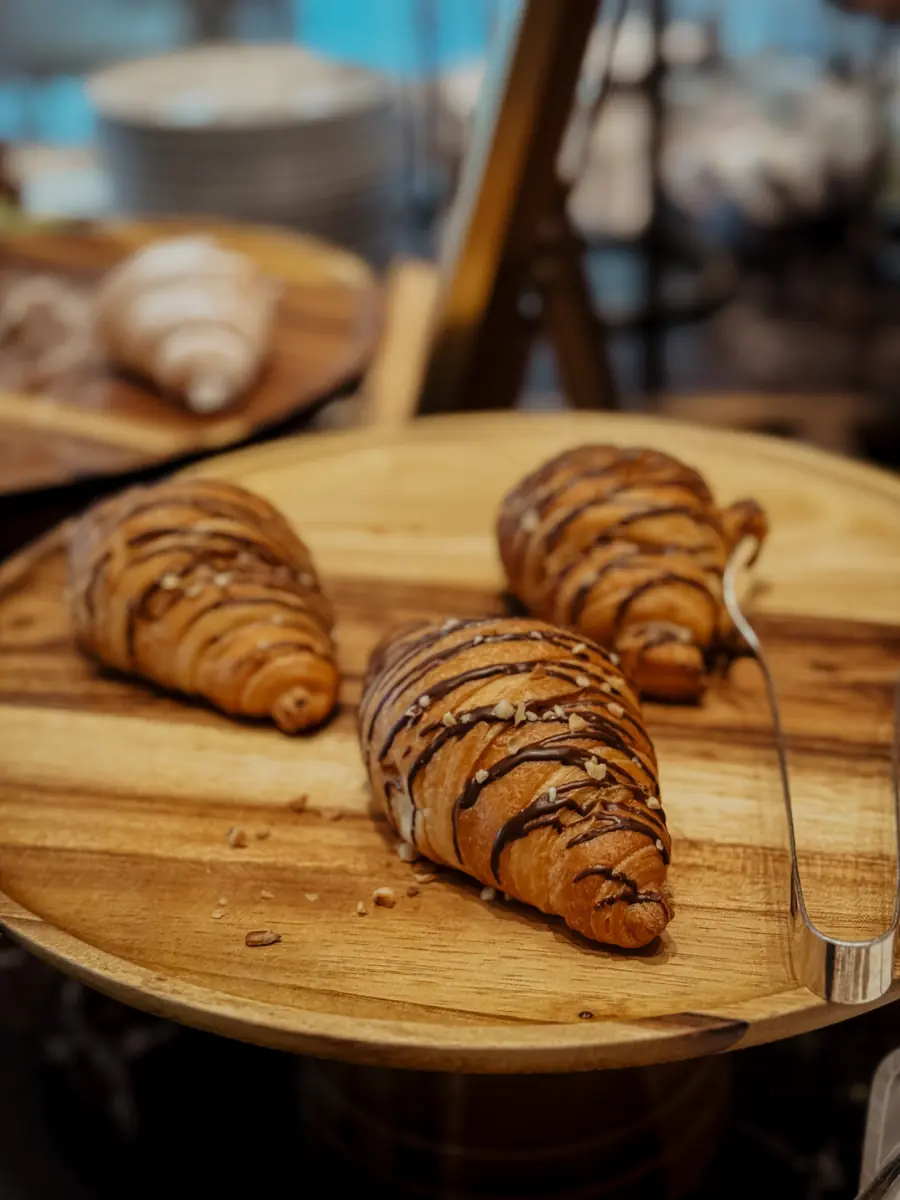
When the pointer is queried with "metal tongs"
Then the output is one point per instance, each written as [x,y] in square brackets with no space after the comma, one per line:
[839,971]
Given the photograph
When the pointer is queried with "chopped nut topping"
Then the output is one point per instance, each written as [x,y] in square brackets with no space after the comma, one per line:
[425,877]
[481,776]
[503,709]
[551,794]
[312,897]
[537,635]
[222,579]
[384,897]
[263,832]
[262,937]
[194,590]
[595,770]
[412,890]
[582,681]
[361,910]
[412,711]
[532,716]
[530,521]
[448,719]
[265,894]
[606,687]
[223,901]
[580,648]
[423,701]
[616,709]
[306,579]
[406,853]
[659,845]
[488,894]
[559,711]
[465,718]
[237,839]
[576,723]
[614,659]
[478,639]
[654,802]
[169,582]
[450,623]
[521,712]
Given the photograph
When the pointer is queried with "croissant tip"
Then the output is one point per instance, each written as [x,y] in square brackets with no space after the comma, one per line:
[209,394]
[645,922]
[300,709]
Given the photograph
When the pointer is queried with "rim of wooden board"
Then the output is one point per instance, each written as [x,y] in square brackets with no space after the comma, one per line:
[119,442]
[475,1047]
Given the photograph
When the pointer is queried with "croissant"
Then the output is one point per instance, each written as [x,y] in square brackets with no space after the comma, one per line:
[205,589]
[628,548]
[194,318]
[514,751]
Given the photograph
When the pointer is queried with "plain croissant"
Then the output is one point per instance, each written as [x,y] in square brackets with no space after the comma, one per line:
[193,317]
[628,548]
[512,750]
[204,588]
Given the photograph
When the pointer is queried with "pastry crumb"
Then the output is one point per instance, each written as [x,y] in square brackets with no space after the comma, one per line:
[412,890]
[261,937]
[488,894]
[521,712]
[616,709]
[384,897]
[406,853]
[263,832]
[361,910]
[217,914]
[311,896]
[299,803]
[223,901]
[424,877]
[265,894]
[334,814]
[237,838]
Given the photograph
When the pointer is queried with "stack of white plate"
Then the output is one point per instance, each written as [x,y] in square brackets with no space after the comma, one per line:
[265,133]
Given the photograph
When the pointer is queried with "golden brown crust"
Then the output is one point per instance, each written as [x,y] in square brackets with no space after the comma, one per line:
[627,547]
[517,752]
[204,588]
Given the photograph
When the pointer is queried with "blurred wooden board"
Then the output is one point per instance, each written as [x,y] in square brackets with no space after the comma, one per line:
[99,422]
[116,800]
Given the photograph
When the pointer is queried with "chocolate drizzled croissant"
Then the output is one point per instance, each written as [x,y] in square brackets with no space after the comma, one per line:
[204,588]
[516,752]
[628,548]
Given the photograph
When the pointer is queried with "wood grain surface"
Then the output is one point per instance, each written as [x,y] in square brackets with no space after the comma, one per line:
[96,421]
[116,800]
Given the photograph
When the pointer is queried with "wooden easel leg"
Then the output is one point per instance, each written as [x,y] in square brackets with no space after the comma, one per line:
[577,334]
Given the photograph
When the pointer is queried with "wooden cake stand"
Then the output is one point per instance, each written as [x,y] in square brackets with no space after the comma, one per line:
[96,421]
[116,800]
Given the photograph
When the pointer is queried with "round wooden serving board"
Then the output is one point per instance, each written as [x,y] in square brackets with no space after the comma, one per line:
[97,421]
[116,800]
